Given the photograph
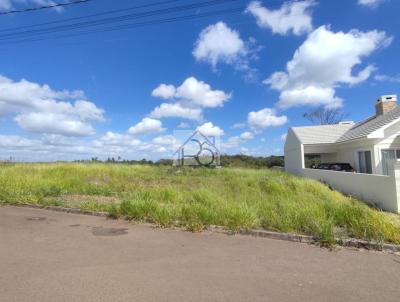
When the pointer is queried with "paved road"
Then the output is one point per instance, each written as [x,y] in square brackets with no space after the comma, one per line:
[50,256]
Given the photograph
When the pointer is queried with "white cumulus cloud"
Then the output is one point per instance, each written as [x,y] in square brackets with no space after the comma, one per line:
[198,93]
[6,5]
[164,91]
[147,126]
[58,147]
[325,60]
[293,17]
[264,118]
[239,126]
[165,140]
[370,3]
[15,142]
[117,139]
[169,142]
[310,95]
[232,142]
[183,125]
[53,123]
[208,129]
[238,140]
[40,109]
[219,43]
[188,99]
[192,92]
[247,136]
[177,110]
[387,78]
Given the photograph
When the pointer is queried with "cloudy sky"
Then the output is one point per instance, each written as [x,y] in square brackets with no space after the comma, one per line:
[246,72]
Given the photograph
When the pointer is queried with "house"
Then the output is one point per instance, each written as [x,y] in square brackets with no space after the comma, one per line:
[371,147]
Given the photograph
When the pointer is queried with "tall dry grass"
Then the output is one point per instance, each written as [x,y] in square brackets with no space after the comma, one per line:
[198,198]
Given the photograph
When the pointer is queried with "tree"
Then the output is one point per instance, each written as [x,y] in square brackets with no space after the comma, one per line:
[325,116]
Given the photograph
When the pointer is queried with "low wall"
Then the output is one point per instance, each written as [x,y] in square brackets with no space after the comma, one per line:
[379,190]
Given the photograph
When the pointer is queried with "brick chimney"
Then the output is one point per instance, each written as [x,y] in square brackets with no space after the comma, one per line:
[385,103]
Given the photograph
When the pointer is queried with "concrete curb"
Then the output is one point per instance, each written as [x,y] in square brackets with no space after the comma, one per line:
[62,209]
[265,234]
[369,245]
[349,242]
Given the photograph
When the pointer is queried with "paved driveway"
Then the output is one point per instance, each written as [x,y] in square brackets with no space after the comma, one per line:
[50,256]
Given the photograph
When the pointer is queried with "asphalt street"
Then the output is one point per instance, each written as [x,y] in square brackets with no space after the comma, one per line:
[54,256]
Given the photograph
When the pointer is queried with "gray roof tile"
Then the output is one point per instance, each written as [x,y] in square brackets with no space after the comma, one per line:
[329,134]
[325,134]
[370,125]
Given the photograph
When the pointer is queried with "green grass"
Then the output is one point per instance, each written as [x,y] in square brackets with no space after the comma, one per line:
[198,198]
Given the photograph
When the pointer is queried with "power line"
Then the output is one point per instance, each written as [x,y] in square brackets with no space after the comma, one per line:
[30,9]
[110,20]
[134,25]
[91,16]
[104,25]
[73,26]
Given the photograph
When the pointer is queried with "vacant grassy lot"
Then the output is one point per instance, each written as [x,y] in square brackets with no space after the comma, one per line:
[197,198]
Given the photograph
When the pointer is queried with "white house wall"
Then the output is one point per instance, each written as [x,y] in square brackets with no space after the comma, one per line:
[379,190]
[348,153]
[392,130]
[391,141]
[294,154]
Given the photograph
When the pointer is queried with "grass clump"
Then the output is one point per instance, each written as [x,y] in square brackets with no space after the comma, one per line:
[234,198]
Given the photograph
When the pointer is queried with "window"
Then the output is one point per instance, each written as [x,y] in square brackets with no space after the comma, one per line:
[388,156]
[312,160]
[364,162]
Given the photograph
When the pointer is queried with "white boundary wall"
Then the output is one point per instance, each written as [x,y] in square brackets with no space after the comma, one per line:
[382,191]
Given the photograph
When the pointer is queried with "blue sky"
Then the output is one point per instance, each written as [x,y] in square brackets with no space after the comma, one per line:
[247,76]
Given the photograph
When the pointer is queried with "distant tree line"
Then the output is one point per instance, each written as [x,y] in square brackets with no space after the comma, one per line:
[239,160]
[118,160]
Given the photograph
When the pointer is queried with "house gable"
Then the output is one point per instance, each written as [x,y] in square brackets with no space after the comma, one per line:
[375,127]
[372,127]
